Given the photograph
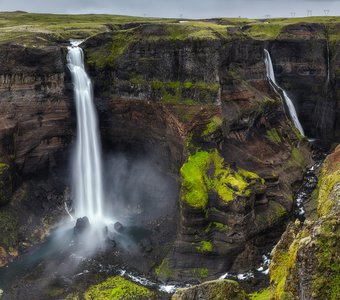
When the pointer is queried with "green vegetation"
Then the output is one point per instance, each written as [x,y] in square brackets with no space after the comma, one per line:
[274,136]
[328,180]
[214,124]
[44,29]
[215,225]
[164,270]
[265,294]
[200,273]
[9,230]
[196,30]
[283,263]
[264,31]
[175,92]
[206,171]
[327,285]
[205,246]
[296,158]
[117,288]
[214,290]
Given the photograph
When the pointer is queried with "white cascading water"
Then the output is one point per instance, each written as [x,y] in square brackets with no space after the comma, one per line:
[289,102]
[87,163]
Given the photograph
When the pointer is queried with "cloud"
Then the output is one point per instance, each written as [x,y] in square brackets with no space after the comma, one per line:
[175,8]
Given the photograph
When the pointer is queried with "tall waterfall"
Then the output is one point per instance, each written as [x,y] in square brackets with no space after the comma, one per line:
[289,102]
[87,164]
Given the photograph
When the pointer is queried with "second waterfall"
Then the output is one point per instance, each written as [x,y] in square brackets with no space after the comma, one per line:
[87,161]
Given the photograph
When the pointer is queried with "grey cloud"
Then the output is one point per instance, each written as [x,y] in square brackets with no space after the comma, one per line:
[175,8]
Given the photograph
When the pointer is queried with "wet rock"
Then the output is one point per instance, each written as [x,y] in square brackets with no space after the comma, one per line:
[217,290]
[145,245]
[118,227]
[82,225]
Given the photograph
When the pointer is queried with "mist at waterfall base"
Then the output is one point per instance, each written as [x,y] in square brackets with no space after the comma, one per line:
[134,189]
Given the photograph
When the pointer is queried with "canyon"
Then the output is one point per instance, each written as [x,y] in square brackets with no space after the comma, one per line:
[190,103]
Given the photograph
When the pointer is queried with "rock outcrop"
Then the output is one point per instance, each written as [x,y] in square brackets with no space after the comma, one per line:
[305,262]
[217,290]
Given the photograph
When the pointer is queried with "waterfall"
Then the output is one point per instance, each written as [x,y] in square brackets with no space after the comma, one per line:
[87,164]
[277,88]
[328,64]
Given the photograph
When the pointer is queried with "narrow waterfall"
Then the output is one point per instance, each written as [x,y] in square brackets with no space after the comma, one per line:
[328,64]
[87,164]
[277,88]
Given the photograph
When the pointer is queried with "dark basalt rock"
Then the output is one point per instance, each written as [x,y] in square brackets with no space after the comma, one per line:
[118,227]
[82,225]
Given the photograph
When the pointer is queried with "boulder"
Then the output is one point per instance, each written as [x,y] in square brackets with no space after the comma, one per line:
[217,290]
[82,225]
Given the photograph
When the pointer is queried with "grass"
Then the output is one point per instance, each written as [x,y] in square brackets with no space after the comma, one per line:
[35,29]
[117,288]
[14,25]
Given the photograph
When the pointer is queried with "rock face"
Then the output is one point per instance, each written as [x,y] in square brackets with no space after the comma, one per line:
[35,131]
[306,262]
[199,70]
[34,111]
[217,290]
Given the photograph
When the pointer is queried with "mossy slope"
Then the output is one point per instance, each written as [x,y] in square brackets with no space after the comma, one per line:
[206,172]
[306,261]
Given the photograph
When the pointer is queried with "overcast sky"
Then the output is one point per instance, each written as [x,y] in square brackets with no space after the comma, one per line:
[176,8]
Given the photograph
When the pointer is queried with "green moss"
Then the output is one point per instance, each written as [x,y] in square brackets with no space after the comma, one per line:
[296,158]
[327,182]
[265,294]
[73,296]
[214,124]
[297,133]
[273,135]
[227,183]
[193,172]
[205,246]
[3,168]
[117,288]
[138,80]
[174,92]
[281,268]
[9,230]
[164,270]
[216,225]
[327,285]
[200,273]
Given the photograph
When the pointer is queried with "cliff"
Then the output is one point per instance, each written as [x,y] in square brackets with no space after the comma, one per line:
[193,96]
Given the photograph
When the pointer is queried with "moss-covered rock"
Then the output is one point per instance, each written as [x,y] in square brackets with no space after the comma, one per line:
[206,172]
[8,237]
[6,183]
[118,288]
[217,290]
[306,261]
